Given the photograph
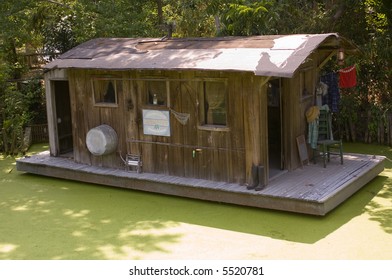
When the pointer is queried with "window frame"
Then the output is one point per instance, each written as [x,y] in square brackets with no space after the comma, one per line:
[203,122]
[98,102]
[148,102]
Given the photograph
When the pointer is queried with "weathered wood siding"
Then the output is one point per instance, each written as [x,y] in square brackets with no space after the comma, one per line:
[298,94]
[222,154]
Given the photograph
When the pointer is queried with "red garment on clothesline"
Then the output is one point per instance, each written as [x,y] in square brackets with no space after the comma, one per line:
[348,77]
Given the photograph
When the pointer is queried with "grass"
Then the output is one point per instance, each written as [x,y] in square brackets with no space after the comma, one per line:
[48,218]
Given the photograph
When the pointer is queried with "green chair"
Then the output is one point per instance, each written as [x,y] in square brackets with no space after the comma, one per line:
[326,145]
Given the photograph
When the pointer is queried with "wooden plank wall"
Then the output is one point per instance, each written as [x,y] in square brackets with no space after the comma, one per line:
[223,155]
[87,116]
[294,108]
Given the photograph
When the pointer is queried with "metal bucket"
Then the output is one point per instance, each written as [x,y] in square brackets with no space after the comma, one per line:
[102,140]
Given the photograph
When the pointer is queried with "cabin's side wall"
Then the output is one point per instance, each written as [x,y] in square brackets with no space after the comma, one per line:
[298,94]
[192,150]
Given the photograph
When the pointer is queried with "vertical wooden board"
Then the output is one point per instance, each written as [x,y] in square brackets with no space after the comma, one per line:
[129,109]
[290,87]
[111,117]
[51,111]
[206,156]
[302,149]
[285,127]
[83,107]
[189,100]
[176,152]
[116,118]
[122,115]
[133,127]
[92,113]
[215,164]
[225,162]
[236,158]
[296,119]
[147,149]
[75,115]
[251,124]
[161,154]
[247,128]
[260,88]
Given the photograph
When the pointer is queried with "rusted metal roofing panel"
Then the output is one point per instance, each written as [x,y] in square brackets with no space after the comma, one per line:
[275,55]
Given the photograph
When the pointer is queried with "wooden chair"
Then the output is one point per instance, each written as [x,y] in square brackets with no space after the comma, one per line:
[326,145]
[133,161]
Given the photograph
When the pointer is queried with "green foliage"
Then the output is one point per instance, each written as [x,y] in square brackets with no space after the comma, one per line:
[15,116]
[116,18]
[246,18]
[374,90]
[21,105]
[58,25]
[193,18]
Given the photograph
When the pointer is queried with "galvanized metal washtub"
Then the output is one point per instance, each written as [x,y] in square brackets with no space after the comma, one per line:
[102,140]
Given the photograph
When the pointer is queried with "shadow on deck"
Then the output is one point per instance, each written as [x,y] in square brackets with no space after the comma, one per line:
[311,190]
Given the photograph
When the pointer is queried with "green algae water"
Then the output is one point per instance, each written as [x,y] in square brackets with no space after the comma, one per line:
[48,218]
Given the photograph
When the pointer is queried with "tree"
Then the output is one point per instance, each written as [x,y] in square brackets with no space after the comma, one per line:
[55,26]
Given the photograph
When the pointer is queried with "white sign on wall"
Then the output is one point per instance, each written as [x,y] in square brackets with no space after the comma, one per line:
[156,122]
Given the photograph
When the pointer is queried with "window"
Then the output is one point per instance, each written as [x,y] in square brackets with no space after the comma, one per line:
[213,103]
[105,91]
[156,92]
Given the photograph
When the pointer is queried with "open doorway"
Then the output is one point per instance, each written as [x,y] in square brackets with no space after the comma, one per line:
[63,117]
[274,128]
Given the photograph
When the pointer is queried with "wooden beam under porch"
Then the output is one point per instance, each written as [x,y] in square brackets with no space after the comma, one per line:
[311,190]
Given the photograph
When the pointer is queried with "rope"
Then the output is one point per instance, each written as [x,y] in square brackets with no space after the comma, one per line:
[347,70]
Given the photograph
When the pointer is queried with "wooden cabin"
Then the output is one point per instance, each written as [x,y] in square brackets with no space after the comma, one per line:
[215,119]
[207,108]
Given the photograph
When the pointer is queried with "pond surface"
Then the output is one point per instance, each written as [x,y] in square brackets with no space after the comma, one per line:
[48,218]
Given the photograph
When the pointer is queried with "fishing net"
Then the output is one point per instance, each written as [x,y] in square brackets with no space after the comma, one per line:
[181,117]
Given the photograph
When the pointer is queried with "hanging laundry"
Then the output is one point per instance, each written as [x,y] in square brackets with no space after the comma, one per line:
[312,115]
[333,97]
[321,90]
[348,77]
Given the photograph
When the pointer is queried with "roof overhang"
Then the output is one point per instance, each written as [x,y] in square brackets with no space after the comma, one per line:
[275,55]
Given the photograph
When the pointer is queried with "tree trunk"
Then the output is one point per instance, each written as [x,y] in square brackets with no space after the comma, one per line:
[352,129]
[389,126]
[381,131]
[160,12]
[347,131]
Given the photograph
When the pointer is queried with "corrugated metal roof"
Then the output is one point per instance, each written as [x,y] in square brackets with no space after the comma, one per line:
[275,55]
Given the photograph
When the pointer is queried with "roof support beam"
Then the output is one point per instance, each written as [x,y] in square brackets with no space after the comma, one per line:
[327,59]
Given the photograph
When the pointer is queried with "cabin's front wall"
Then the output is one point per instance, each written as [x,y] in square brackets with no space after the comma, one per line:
[220,153]
[193,150]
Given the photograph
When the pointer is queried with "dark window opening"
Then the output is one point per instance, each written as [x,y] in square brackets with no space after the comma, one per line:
[106,91]
[156,93]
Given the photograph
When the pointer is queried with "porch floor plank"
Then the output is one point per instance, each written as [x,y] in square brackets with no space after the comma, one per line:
[312,189]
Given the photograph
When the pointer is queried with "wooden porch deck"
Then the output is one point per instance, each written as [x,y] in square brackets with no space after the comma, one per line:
[311,190]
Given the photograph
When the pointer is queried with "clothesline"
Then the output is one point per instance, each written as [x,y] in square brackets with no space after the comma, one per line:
[348,69]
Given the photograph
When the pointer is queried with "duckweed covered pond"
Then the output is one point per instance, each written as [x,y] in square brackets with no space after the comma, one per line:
[48,218]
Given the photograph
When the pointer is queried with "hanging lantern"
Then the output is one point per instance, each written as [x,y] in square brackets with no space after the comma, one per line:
[341,56]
